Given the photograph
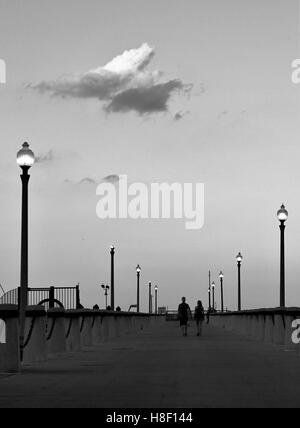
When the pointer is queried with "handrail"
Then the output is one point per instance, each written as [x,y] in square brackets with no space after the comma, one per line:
[69,297]
[261,311]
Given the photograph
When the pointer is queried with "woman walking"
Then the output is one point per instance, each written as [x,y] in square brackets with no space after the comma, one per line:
[199,317]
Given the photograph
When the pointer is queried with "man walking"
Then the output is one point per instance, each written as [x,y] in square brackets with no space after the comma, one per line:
[184,312]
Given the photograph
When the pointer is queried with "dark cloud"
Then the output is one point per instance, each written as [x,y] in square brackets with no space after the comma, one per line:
[145,100]
[178,116]
[124,84]
[90,85]
[113,178]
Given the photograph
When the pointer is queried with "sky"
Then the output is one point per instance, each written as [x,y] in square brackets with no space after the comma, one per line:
[172,91]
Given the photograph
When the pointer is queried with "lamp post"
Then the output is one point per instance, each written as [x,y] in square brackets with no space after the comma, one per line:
[156,293]
[25,160]
[282,215]
[112,281]
[221,276]
[239,259]
[213,295]
[138,275]
[105,288]
[150,298]
[209,290]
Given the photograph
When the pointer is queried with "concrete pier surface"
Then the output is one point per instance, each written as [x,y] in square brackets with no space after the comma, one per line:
[160,368]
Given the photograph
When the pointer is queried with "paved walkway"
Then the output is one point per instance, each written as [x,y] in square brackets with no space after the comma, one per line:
[159,368]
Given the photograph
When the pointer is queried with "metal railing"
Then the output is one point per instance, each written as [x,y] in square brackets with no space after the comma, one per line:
[51,297]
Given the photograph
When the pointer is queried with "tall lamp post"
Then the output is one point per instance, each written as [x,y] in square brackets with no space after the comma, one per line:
[239,259]
[138,275]
[150,298]
[25,159]
[112,281]
[282,215]
[221,276]
[213,295]
[105,288]
[156,293]
[209,290]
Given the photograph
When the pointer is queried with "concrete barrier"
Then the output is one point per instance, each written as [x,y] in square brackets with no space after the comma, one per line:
[97,328]
[271,326]
[9,351]
[72,328]
[51,334]
[86,324]
[56,333]
[279,329]
[261,327]
[35,335]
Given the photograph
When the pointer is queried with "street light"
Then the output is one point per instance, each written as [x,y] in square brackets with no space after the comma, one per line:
[150,298]
[209,290]
[156,292]
[112,282]
[105,288]
[25,160]
[282,215]
[138,274]
[221,276]
[213,295]
[239,259]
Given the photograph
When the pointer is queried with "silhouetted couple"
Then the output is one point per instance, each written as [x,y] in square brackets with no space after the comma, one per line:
[184,313]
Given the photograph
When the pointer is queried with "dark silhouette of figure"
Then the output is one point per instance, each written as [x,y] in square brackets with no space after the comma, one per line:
[199,317]
[184,312]
[96,308]
[108,308]
[118,309]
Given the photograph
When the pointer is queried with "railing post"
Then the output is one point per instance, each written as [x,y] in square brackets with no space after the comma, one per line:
[51,297]
[19,297]
[78,305]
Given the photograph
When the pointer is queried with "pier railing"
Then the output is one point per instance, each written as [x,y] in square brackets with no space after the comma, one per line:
[66,297]
[279,326]
[52,333]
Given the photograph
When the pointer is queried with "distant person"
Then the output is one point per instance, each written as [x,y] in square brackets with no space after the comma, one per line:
[118,309]
[96,308]
[199,317]
[184,312]
[108,308]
